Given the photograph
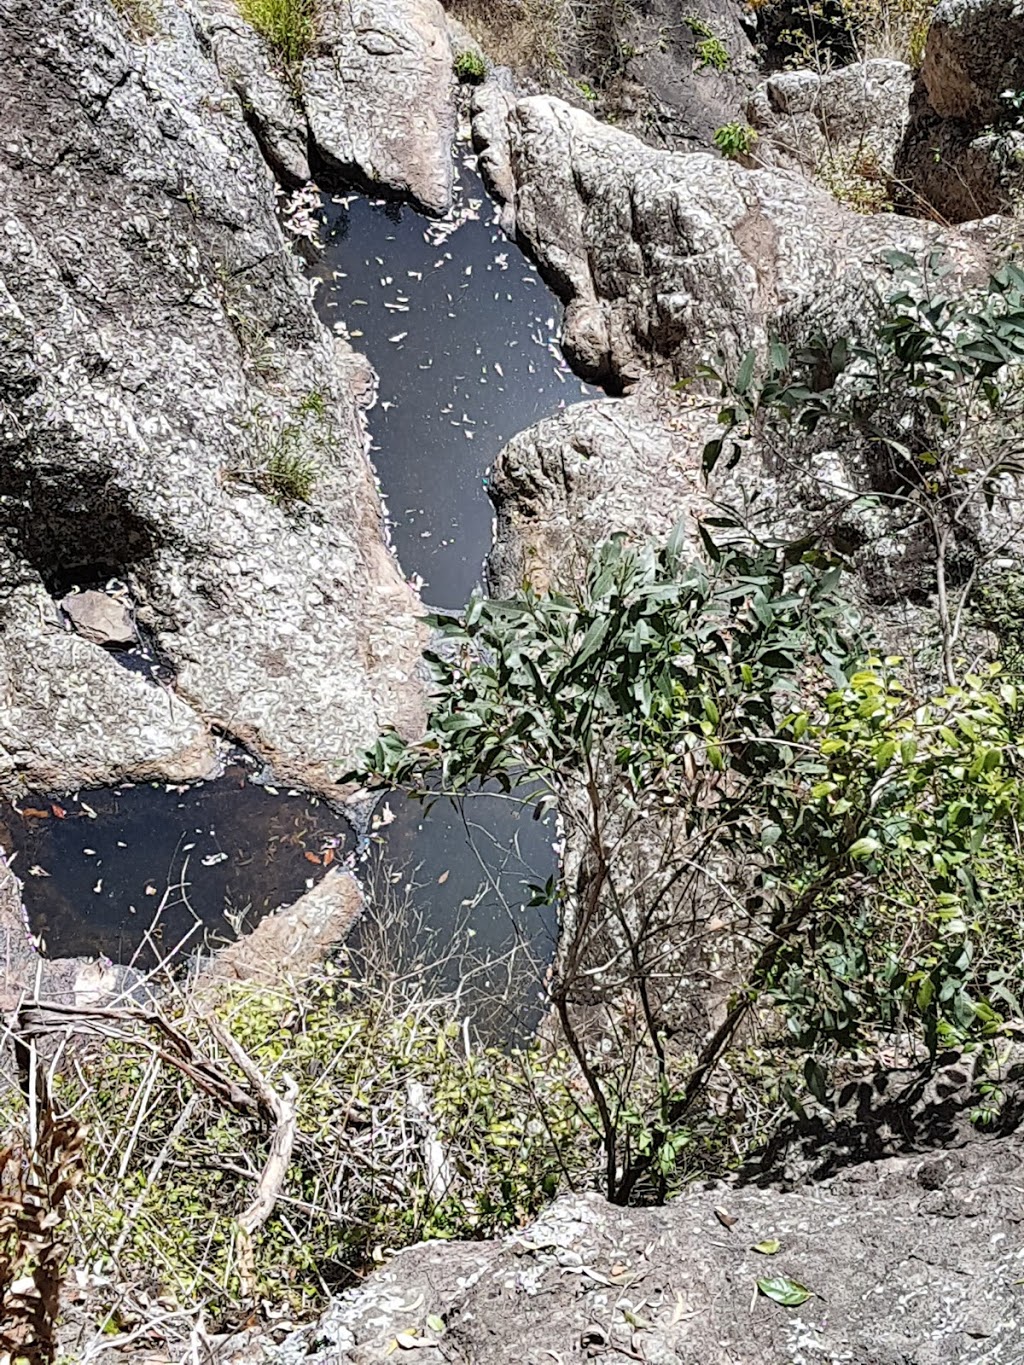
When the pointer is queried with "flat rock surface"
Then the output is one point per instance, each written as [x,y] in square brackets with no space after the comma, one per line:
[158,348]
[909,1261]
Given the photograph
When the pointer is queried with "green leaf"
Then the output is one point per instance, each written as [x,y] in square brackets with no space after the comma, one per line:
[862,849]
[435,1324]
[768,1247]
[785,1291]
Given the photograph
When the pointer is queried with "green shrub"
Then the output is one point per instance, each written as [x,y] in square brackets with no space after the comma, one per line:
[361,1053]
[289,26]
[710,51]
[470,67]
[735,140]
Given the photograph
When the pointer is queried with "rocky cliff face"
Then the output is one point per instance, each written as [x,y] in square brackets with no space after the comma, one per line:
[159,346]
[373,101]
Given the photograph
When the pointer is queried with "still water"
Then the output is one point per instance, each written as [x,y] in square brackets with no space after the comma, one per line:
[464,336]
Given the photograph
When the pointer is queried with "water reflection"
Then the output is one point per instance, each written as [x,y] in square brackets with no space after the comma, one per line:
[458,876]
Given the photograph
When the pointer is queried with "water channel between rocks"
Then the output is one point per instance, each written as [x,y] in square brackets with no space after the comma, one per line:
[463,335]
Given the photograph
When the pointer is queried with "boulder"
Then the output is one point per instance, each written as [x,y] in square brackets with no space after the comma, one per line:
[289,943]
[163,344]
[560,487]
[974,53]
[378,92]
[373,103]
[663,258]
[841,127]
[100,618]
[963,153]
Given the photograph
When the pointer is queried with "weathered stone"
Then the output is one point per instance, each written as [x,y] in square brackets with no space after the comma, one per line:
[164,338]
[372,104]
[974,53]
[662,258]
[841,124]
[561,486]
[290,942]
[379,97]
[963,153]
[100,618]
[908,1262]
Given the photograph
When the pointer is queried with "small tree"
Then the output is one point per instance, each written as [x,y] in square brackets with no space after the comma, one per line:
[729,791]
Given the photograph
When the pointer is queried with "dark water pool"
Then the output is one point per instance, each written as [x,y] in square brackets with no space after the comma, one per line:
[135,871]
[464,336]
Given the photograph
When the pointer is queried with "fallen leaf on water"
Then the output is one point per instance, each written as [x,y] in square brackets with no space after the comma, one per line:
[36,871]
[59,811]
[328,856]
[443,877]
[768,1247]
[34,814]
[312,858]
[785,1291]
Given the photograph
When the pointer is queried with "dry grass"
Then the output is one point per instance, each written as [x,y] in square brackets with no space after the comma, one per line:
[526,35]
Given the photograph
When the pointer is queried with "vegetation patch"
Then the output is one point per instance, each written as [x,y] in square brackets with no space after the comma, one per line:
[470,68]
[735,140]
[288,26]
[141,16]
[857,179]
[709,50]
[822,34]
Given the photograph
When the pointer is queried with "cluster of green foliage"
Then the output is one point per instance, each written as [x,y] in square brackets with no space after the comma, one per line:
[288,26]
[931,395]
[510,1127]
[470,67]
[655,708]
[709,49]
[735,140]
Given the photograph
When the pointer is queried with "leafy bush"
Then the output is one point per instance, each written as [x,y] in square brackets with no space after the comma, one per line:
[933,397]
[470,67]
[726,772]
[289,26]
[735,140]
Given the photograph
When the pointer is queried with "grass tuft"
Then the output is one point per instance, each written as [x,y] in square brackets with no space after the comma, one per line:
[289,476]
[289,26]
